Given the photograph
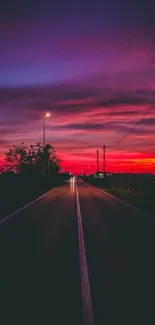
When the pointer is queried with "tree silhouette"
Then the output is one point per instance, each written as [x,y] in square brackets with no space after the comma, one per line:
[32,159]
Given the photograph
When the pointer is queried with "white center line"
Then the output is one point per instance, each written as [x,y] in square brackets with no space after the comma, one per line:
[86,296]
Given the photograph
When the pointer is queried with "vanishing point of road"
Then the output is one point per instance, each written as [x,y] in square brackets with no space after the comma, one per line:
[77,257]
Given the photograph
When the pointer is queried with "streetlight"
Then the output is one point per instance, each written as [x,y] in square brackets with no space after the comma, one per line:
[45,115]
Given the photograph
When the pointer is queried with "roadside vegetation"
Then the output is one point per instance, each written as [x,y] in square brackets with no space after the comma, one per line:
[29,172]
[137,190]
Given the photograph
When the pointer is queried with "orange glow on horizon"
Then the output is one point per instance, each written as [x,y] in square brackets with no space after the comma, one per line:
[136,165]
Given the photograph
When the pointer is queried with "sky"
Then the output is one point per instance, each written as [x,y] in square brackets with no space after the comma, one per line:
[92,66]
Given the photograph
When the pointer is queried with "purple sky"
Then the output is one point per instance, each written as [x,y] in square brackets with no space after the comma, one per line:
[92,66]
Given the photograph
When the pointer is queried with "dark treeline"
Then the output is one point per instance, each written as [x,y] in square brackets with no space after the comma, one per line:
[29,172]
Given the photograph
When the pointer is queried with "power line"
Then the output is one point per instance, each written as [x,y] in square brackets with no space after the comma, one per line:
[133,128]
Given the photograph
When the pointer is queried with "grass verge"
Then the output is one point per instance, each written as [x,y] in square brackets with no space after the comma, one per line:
[139,202]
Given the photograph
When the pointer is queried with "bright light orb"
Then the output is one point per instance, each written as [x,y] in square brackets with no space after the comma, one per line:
[47,114]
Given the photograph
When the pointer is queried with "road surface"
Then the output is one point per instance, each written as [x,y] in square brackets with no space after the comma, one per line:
[42,259]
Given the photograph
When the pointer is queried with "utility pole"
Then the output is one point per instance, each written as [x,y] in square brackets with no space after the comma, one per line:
[104,170]
[97,162]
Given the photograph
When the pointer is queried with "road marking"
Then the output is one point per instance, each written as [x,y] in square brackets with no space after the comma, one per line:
[127,205]
[85,286]
[25,206]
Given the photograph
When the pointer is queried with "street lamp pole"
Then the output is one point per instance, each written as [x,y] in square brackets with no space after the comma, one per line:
[44,127]
[44,130]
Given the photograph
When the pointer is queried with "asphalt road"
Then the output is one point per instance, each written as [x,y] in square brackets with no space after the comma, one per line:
[40,267]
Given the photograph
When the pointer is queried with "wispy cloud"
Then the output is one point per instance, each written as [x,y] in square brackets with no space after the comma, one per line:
[96,79]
